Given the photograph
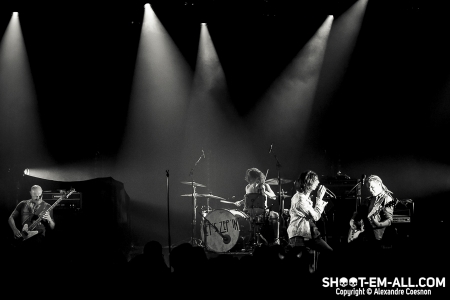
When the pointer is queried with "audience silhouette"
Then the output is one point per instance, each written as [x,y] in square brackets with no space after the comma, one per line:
[190,270]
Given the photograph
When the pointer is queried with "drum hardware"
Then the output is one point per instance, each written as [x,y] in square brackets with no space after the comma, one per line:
[206,210]
[274,181]
[193,183]
[254,203]
[203,196]
[194,198]
[282,227]
[284,195]
[168,219]
[257,224]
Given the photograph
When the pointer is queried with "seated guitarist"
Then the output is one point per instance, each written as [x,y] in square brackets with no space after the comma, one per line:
[26,209]
[374,223]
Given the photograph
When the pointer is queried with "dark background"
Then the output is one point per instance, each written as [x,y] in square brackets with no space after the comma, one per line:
[388,113]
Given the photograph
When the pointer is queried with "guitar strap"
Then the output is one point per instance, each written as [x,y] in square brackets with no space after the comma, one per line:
[30,216]
[377,203]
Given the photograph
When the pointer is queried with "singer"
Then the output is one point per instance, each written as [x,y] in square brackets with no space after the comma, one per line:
[303,232]
[26,209]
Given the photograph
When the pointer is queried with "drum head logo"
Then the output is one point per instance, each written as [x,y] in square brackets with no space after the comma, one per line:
[222,229]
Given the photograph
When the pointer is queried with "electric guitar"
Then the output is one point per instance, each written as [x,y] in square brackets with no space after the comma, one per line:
[30,224]
[354,233]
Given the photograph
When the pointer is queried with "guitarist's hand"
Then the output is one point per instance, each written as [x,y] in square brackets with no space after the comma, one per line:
[47,217]
[374,222]
[17,233]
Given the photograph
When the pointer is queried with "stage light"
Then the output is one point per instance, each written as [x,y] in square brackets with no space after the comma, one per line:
[15,14]
[26,172]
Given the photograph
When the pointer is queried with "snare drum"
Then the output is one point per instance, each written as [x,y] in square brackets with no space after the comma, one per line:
[255,204]
[260,219]
[233,225]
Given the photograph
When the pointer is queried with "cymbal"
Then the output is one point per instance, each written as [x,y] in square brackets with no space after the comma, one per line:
[212,196]
[274,181]
[195,183]
[203,196]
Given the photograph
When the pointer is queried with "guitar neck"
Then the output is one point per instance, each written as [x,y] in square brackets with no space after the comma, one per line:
[380,208]
[39,219]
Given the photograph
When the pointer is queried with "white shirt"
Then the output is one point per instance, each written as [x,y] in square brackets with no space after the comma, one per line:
[301,212]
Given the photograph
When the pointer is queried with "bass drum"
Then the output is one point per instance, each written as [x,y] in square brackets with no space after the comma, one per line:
[225,230]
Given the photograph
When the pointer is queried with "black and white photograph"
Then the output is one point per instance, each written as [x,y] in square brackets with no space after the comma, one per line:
[224,148]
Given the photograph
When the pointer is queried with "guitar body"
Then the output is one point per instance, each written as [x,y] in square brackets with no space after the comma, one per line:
[353,234]
[26,234]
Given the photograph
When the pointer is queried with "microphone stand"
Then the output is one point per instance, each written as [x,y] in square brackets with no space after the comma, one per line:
[281,199]
[358,187]
[168,220]
[194,202]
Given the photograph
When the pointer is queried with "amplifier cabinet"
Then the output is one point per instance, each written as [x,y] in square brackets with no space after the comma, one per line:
[74,202]
[401,219]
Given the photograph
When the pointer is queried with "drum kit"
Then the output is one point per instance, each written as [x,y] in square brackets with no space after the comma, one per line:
[233,230]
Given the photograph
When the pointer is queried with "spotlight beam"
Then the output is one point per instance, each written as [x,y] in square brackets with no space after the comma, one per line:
[21,135]
[341,43]
[287,105]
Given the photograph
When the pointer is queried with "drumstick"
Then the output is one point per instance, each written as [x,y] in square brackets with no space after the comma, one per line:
[267,172]
[223,201]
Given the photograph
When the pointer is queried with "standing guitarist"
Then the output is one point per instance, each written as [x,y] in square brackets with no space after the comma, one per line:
[27,209]
[374,223]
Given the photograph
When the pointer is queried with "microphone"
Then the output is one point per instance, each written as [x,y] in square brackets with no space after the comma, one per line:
[270,150]
[203,154]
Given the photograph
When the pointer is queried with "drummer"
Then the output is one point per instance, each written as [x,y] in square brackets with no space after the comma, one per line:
[256,184]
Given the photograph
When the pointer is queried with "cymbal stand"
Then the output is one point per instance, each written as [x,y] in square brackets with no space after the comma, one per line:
[281,199]
[194,240]
[168,219]
[256,234]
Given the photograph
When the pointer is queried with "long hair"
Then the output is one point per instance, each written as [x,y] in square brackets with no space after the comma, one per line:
[256,174]
[305,181]
[378,179]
